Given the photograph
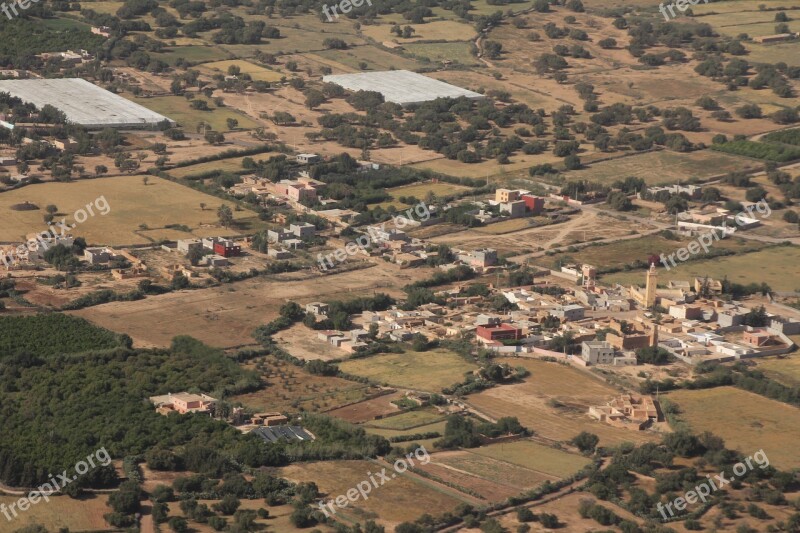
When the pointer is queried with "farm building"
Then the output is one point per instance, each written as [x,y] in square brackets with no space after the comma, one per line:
[84,103]
[287,433]
[401,86]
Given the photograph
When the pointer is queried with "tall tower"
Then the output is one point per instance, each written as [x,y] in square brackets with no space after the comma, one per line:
[650,288]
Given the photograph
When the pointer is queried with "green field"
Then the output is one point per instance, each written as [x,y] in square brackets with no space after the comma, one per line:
[459,52]
[193,53]
[233,164]
[178,109]
[409,420]
[769,266]
[528,454]
[663,167]
[437,30]
[428,371]
[429,428]
[375,58]
[618,254]
[748,422]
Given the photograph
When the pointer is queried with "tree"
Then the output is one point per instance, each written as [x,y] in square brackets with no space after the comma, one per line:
[228,505]
[99,170]
[585,441]
[178,524]
[225,216]
[619,201]
[214,137]
[145,180]
[202,206]
[51,209]
[232,123]
[314,98]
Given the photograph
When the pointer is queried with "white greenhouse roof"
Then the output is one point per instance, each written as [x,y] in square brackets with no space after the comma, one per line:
[400,86]
[83,102]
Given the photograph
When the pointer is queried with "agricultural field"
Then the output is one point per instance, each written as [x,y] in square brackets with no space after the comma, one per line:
[85,514]
[403,498]
[748,422]
[784,369]
[178,109]
[427,371]
[234,164]
[769,266]
[226,316]
[528,454]
[131,203]
[409,420]
[421,190]
[490,478]
[436,30]
[620,253]
[663,166]
[368,410]
[292,389]
[457,52]
[437,427]
[582,227]
[194,53]
[373,57]
[544,405]
[256,72]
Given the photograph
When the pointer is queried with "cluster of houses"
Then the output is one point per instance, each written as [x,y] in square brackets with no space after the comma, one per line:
[293,237]
[627,411]
[270,426]
[518,203]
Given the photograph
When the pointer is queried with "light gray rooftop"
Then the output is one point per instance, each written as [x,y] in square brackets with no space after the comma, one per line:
[83,102]
[400,86]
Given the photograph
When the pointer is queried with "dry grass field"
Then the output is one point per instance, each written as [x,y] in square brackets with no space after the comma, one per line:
[132,203]
[769,265]
[178,109]
[226,316]
[533,456]
[81,515]
[748,422]
[437,30]
[428,371]
[786,369]
[663,167]
[256,72]
[368,410]
[584,226]
[404,498]
[530,402]
[289,388]
[493,479]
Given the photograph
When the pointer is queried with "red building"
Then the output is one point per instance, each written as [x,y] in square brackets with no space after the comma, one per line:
[499,332]
[534,204]
[227,249]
